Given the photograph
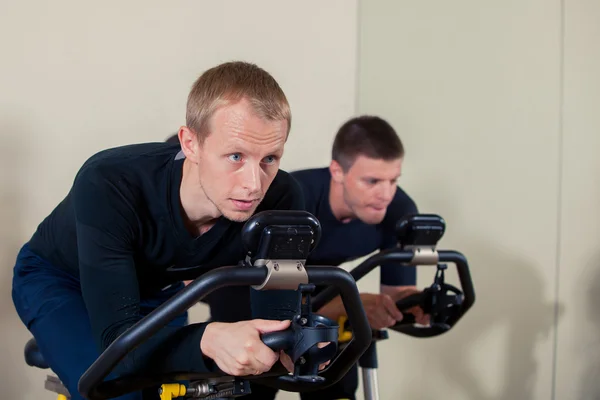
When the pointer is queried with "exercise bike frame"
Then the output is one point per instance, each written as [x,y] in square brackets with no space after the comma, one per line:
[418,236]
[263,271]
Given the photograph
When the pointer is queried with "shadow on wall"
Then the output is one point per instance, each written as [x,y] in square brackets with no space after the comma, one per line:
[590,279]
[510,299]
[14,334]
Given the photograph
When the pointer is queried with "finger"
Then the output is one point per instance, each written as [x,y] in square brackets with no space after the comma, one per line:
[250,365]
[377,319]
[372,321]
[407,292]
[391,308]
[286,361]
[322,366]
[383,319]
[265,356]
[416,311]
[259,366]
[423,319]
[267,325]
[223,366]
[391,322]
[255,357]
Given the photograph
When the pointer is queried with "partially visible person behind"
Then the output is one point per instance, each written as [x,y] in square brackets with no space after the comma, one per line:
[357,200]
[140,219]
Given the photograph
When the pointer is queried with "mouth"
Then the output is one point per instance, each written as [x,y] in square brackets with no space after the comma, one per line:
[243,205]
[378,208]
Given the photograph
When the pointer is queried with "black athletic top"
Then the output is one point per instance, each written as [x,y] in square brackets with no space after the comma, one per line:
[120,230]
[340,242]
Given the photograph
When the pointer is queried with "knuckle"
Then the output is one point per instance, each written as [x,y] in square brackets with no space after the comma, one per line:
[243,360]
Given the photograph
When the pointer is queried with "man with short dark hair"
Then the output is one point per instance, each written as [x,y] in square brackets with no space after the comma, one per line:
[357,201]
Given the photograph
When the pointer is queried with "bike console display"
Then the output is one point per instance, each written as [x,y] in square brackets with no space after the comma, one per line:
[418,236]
[277,245]
[420,230]
[282,243]
[290,235]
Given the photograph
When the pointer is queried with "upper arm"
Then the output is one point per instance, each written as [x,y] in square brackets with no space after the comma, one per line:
[105,238]
[107,235]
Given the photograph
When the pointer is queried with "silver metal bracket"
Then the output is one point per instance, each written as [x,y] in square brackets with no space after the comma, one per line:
[282,274]
[54,384]
[424,255]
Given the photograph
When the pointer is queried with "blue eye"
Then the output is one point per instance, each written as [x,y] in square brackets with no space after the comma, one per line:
[235,157]
[270,159]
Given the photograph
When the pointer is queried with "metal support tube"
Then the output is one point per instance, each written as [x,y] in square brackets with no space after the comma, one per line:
[370,384]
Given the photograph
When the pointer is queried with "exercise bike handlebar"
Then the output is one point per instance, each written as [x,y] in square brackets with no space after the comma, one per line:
[92,384]
[405,257]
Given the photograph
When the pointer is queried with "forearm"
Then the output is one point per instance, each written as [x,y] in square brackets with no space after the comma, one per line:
[171,349]
[107,233]
[174,350]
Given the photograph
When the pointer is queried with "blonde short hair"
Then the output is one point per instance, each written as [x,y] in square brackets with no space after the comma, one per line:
[228,83]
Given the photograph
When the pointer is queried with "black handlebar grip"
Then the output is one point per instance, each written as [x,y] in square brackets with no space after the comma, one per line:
[410,301]
[276,341]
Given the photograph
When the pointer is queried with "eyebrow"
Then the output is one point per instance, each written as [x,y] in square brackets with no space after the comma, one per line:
[235,148]
[381,179]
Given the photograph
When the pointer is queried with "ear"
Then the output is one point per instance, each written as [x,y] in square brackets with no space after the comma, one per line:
[189,143]
[337,172]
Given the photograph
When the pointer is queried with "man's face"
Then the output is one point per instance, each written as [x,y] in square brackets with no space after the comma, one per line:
[239,159]
[369,187]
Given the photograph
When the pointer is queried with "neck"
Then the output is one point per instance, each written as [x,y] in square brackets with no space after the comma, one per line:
[198,212]
[338,206]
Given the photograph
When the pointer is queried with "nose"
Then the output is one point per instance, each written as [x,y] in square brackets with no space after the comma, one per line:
[386,192]
[251,178]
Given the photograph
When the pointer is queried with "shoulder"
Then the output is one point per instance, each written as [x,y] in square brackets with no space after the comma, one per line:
[315,186]
[118,174]
[126,161]
[283,182]
[313,181]
[312,177]
[284,193]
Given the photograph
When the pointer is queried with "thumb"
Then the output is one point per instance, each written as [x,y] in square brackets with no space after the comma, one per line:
[267,325]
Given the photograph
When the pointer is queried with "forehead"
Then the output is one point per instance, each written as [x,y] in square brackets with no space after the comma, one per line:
[376,168]
[239,125]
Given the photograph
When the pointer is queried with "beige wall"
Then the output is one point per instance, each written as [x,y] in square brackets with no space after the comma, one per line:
[578,351]
[476,91]
[495,146]
[79,77]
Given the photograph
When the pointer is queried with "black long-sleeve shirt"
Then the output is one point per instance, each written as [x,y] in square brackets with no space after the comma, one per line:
[120,230]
